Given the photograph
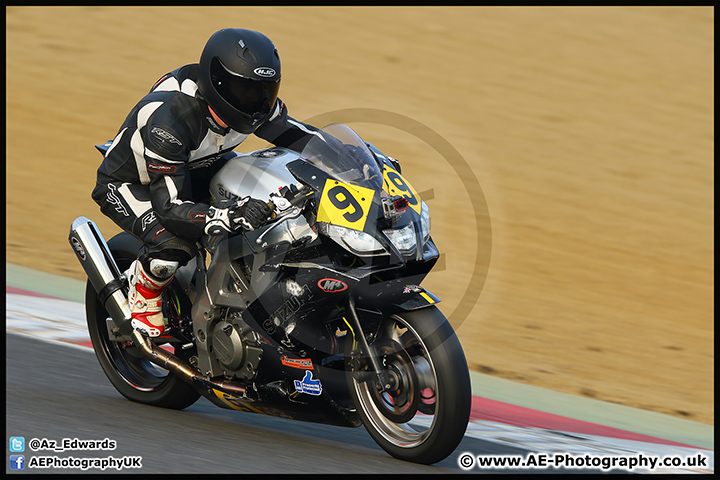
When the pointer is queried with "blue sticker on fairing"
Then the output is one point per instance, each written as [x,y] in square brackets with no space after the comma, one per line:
[308,385]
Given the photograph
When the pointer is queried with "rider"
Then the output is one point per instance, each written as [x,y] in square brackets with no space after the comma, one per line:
[154,180]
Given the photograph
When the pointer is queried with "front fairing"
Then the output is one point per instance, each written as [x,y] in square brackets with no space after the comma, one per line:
[352,188]
[289,290]
[315,271]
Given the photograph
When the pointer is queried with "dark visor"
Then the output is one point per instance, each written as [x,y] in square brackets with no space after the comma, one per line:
[249,96]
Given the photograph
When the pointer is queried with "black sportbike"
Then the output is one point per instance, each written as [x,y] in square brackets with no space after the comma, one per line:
[318,316]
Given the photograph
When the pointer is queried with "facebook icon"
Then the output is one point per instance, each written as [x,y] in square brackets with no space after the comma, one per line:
[17,462]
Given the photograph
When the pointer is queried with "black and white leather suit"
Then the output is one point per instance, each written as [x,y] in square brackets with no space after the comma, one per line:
[154,180]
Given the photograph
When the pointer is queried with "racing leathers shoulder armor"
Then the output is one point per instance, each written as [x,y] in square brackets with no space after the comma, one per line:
[168,142]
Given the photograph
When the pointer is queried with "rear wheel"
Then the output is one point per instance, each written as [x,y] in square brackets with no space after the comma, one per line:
[128,370]
[424,413]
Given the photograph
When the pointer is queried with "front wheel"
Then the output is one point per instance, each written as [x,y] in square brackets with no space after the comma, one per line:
[424,413]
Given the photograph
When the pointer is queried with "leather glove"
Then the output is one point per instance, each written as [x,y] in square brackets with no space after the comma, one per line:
[227,216]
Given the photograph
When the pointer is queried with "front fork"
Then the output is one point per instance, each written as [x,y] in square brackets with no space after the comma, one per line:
[379,376]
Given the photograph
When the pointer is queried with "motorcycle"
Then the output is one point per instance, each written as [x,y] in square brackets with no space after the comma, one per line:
[318,316]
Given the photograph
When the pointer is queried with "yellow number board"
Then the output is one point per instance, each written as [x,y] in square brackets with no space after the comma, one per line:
[344,204]
[395,184]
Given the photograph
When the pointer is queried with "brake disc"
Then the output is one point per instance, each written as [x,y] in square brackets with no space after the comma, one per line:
[398,403]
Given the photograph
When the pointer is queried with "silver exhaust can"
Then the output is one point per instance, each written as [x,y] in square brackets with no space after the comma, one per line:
[99,265]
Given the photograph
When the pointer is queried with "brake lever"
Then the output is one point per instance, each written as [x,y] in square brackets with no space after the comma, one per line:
[282,209]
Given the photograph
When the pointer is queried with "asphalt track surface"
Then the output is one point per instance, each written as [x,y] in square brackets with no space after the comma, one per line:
[56,391]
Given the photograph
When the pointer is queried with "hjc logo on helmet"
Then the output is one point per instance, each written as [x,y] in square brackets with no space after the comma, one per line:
[265,71]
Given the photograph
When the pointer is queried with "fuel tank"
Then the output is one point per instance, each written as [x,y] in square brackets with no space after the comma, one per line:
[256,174]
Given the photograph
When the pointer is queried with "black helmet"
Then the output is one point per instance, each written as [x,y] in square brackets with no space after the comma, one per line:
[239,77]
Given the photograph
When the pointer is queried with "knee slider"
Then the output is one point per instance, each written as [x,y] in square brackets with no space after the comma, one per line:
[162,269]
[164,263]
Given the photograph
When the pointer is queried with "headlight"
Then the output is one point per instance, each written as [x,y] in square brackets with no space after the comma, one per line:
[425,222]
[356,241]
[403,239]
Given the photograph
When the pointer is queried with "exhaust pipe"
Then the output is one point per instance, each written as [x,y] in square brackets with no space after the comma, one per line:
[100,268]
[104,275]
[164,359]
[180,368]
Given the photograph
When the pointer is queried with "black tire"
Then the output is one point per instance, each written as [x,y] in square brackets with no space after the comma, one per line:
[131,374]
[435,383]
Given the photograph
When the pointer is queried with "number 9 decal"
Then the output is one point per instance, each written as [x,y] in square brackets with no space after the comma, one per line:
[345,205]
[397,185]
[343,200]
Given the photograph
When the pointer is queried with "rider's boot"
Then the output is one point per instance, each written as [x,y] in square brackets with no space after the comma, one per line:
[145,295]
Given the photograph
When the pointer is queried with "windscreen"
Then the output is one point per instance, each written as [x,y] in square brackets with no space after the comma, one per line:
[340,152]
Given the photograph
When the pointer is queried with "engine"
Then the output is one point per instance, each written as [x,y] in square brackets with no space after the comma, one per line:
[236,348]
